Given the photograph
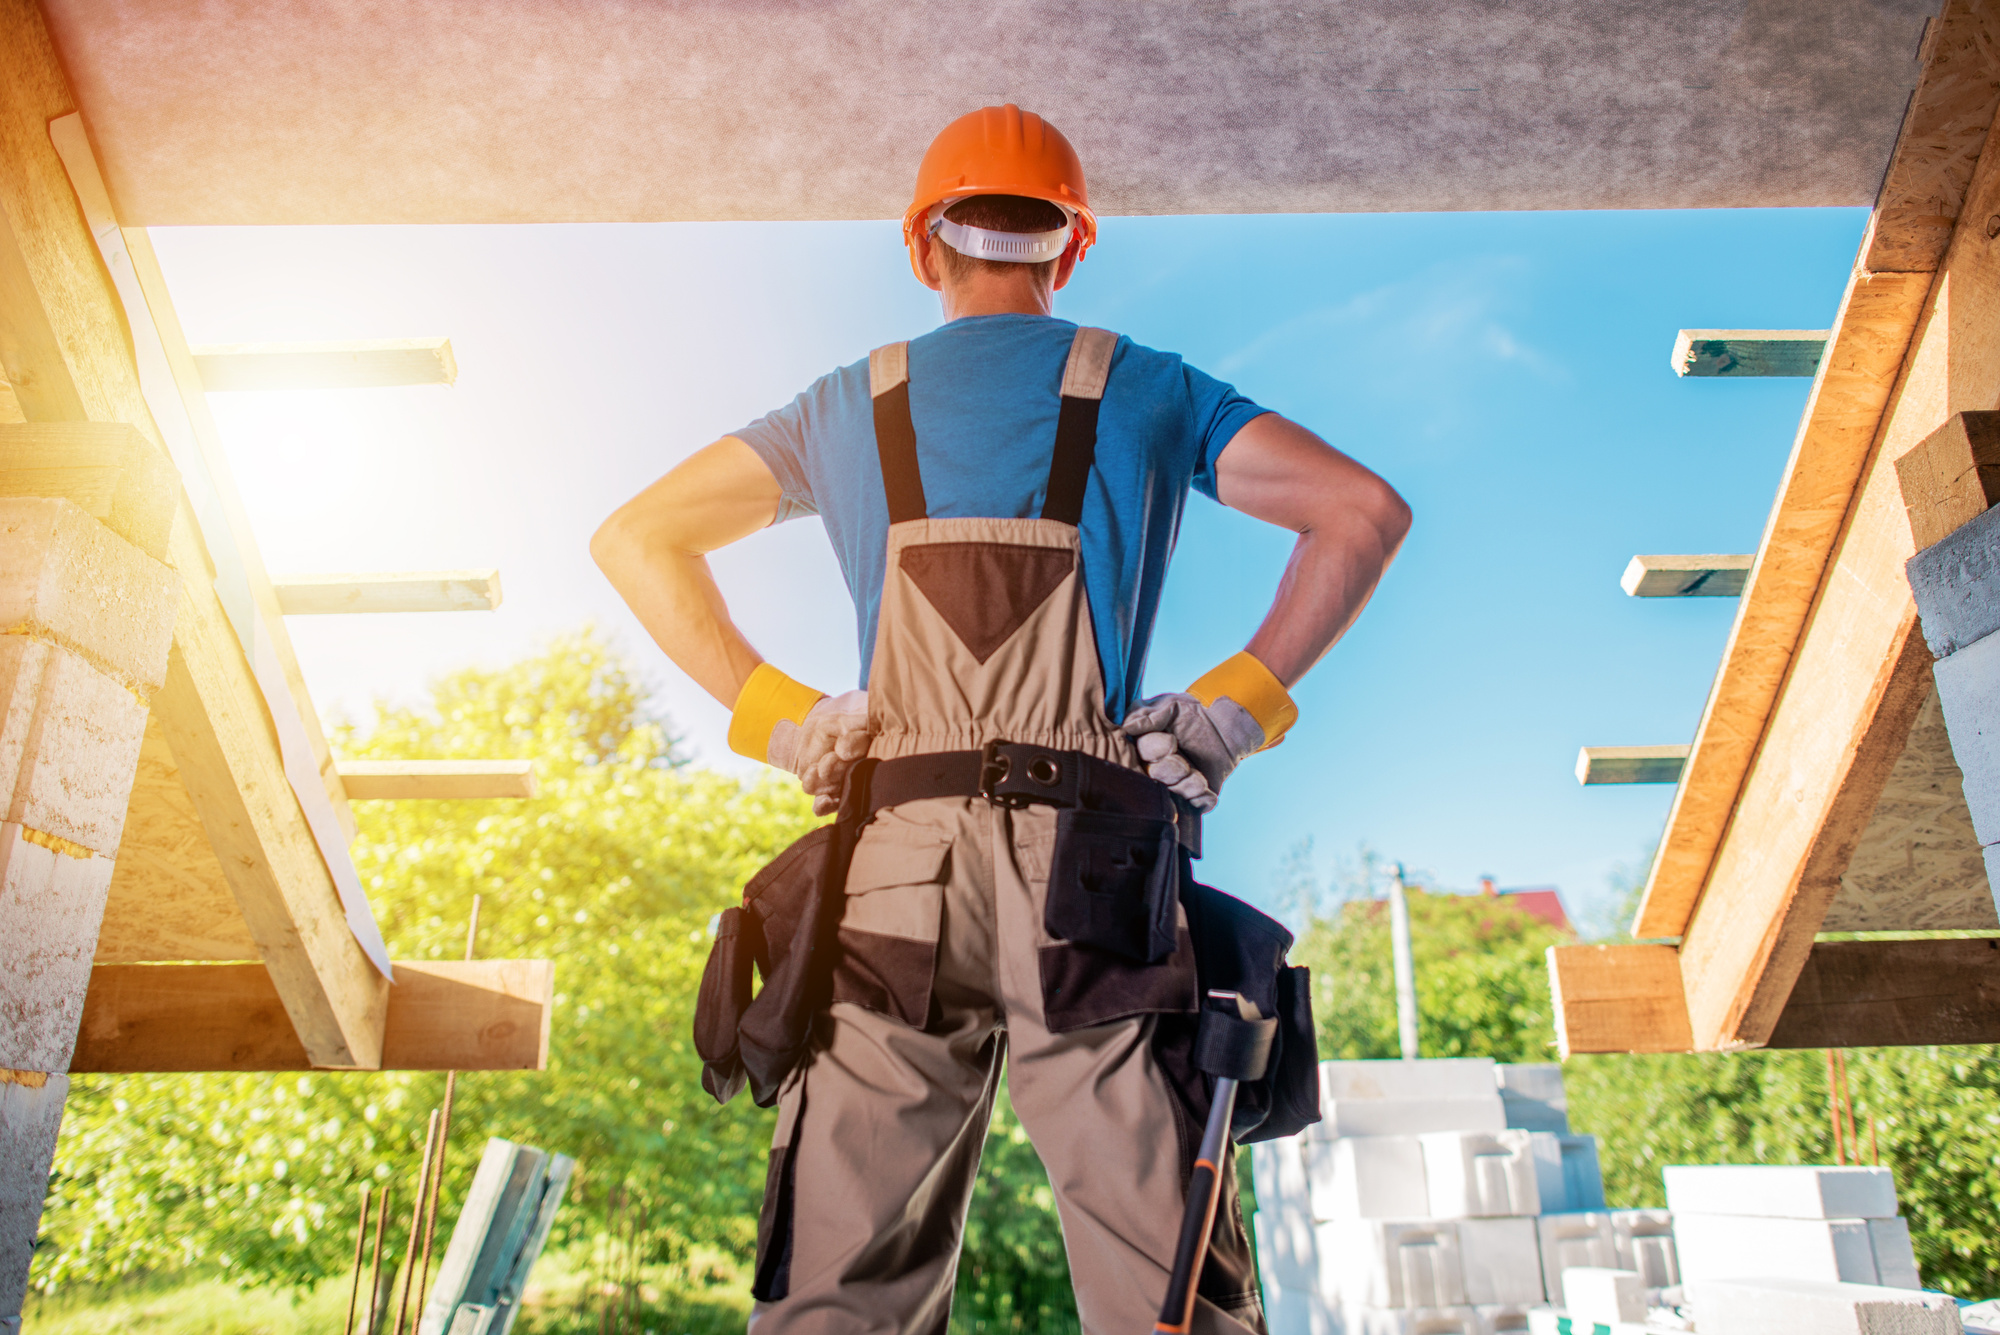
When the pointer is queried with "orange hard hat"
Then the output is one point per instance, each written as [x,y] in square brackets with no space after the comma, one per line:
[1002,151]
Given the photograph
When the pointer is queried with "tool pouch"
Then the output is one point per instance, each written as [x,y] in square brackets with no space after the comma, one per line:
[785,928]
[1111,884]
[1238,949]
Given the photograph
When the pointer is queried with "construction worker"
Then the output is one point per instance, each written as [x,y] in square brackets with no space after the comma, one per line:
[1003,495]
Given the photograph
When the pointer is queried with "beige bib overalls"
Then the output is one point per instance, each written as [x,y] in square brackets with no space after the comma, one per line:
[947,967]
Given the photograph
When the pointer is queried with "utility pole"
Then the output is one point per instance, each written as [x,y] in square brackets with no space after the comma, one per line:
[1406,969]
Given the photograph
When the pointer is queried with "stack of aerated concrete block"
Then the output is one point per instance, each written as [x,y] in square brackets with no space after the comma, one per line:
[1437,1197]
[1806,1222]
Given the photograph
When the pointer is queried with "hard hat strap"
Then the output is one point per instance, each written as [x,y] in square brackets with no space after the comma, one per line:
[980,243]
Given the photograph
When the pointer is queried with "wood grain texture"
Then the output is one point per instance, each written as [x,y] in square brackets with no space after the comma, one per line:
[477,1015]
[1857,676]
[1877,315]
[210,710]
[1944,131]
[169,899]
[1618,999]
[434,779]
[1748,352]
[1630,764]
[146,265]
[399,591]
[1865,994]
[1708,576]
[106,468]
[366,364]
[1952,476]
[1917,864]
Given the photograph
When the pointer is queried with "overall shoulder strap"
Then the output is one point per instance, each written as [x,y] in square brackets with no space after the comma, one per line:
[1083,380]
[895,437]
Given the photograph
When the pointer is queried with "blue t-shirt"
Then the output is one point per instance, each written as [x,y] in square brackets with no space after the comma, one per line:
[984,398]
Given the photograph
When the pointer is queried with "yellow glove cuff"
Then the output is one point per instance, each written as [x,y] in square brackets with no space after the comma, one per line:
[1250,684]
[765,700]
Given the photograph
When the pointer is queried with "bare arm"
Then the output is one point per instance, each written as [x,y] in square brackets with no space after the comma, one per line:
[654,551]
[1349,521]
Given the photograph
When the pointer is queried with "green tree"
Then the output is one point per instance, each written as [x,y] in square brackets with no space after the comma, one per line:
[614,871]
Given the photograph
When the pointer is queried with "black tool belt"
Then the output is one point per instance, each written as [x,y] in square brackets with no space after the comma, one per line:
[1014,774]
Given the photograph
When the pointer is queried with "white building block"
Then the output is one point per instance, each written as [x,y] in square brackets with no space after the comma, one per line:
[1502,1318]
[1895,1258]
[1574,1239]
[1434,1078]
[1278,1172]
[1791,1191]
[1645,1241]
[1286,1255]
[1407,1117]
[1583,1180]
[1567,1176]
[1459,1320]
[1390,1263]
[1603,1296]
[1809,1307]
[1532,1096]
[1501,1260]
[1719,1246]
[1472,1174]
[1368,1177]
[1298,1312]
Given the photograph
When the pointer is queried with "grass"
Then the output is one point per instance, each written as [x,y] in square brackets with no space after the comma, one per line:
[705,1295]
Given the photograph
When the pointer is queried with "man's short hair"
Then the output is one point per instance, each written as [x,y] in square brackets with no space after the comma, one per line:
[999,213]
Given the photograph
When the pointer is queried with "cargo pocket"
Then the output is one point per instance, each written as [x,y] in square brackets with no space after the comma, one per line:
[1112,884]
[889,928]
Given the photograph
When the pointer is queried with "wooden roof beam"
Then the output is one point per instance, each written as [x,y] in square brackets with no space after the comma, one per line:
[1630,764]
[368,780]
[68,358]
[401,591]
[1748,352]
[366,364]
[1824,674]
[443,1015]
[1686,576]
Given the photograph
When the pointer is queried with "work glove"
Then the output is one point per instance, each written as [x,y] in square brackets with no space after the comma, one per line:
[815,736]
[1191,740]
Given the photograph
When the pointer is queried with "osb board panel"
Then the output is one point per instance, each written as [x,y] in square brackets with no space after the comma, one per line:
[169,900]
[1918,864]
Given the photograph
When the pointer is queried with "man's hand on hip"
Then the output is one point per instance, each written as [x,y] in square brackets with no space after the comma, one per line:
[1191,747]
[823,747]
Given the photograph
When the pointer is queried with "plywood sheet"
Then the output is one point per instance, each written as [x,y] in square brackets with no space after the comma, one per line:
[168,899]
[1917,865]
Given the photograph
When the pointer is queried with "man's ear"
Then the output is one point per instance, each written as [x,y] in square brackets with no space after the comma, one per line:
[1066,265]
[924,260]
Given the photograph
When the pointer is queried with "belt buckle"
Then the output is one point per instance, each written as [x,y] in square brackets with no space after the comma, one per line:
[995,767]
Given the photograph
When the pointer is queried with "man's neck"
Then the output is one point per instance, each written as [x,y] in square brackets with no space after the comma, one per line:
[985,293]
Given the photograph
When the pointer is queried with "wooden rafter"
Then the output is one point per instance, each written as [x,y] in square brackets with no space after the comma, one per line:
[1823,675]
[68,360]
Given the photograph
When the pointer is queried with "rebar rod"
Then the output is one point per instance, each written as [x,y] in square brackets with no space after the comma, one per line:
[416,1224]
[360,1250]
[444,1138]
[375,1267]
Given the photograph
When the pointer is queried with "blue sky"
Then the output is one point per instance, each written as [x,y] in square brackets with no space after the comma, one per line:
[1507,372]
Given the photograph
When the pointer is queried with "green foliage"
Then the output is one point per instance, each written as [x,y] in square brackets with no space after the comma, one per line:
[1012,1275]
[1482,989]
[614,871]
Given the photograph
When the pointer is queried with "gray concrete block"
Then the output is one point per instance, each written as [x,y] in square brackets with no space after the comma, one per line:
[1968,687]
[1501,1260]
[1895,1256]
[69,744]
[68,579]
[1645,1241]
[29,1119]
[1793,1306]
[1567,1240]
[51,905]
[1957,584]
